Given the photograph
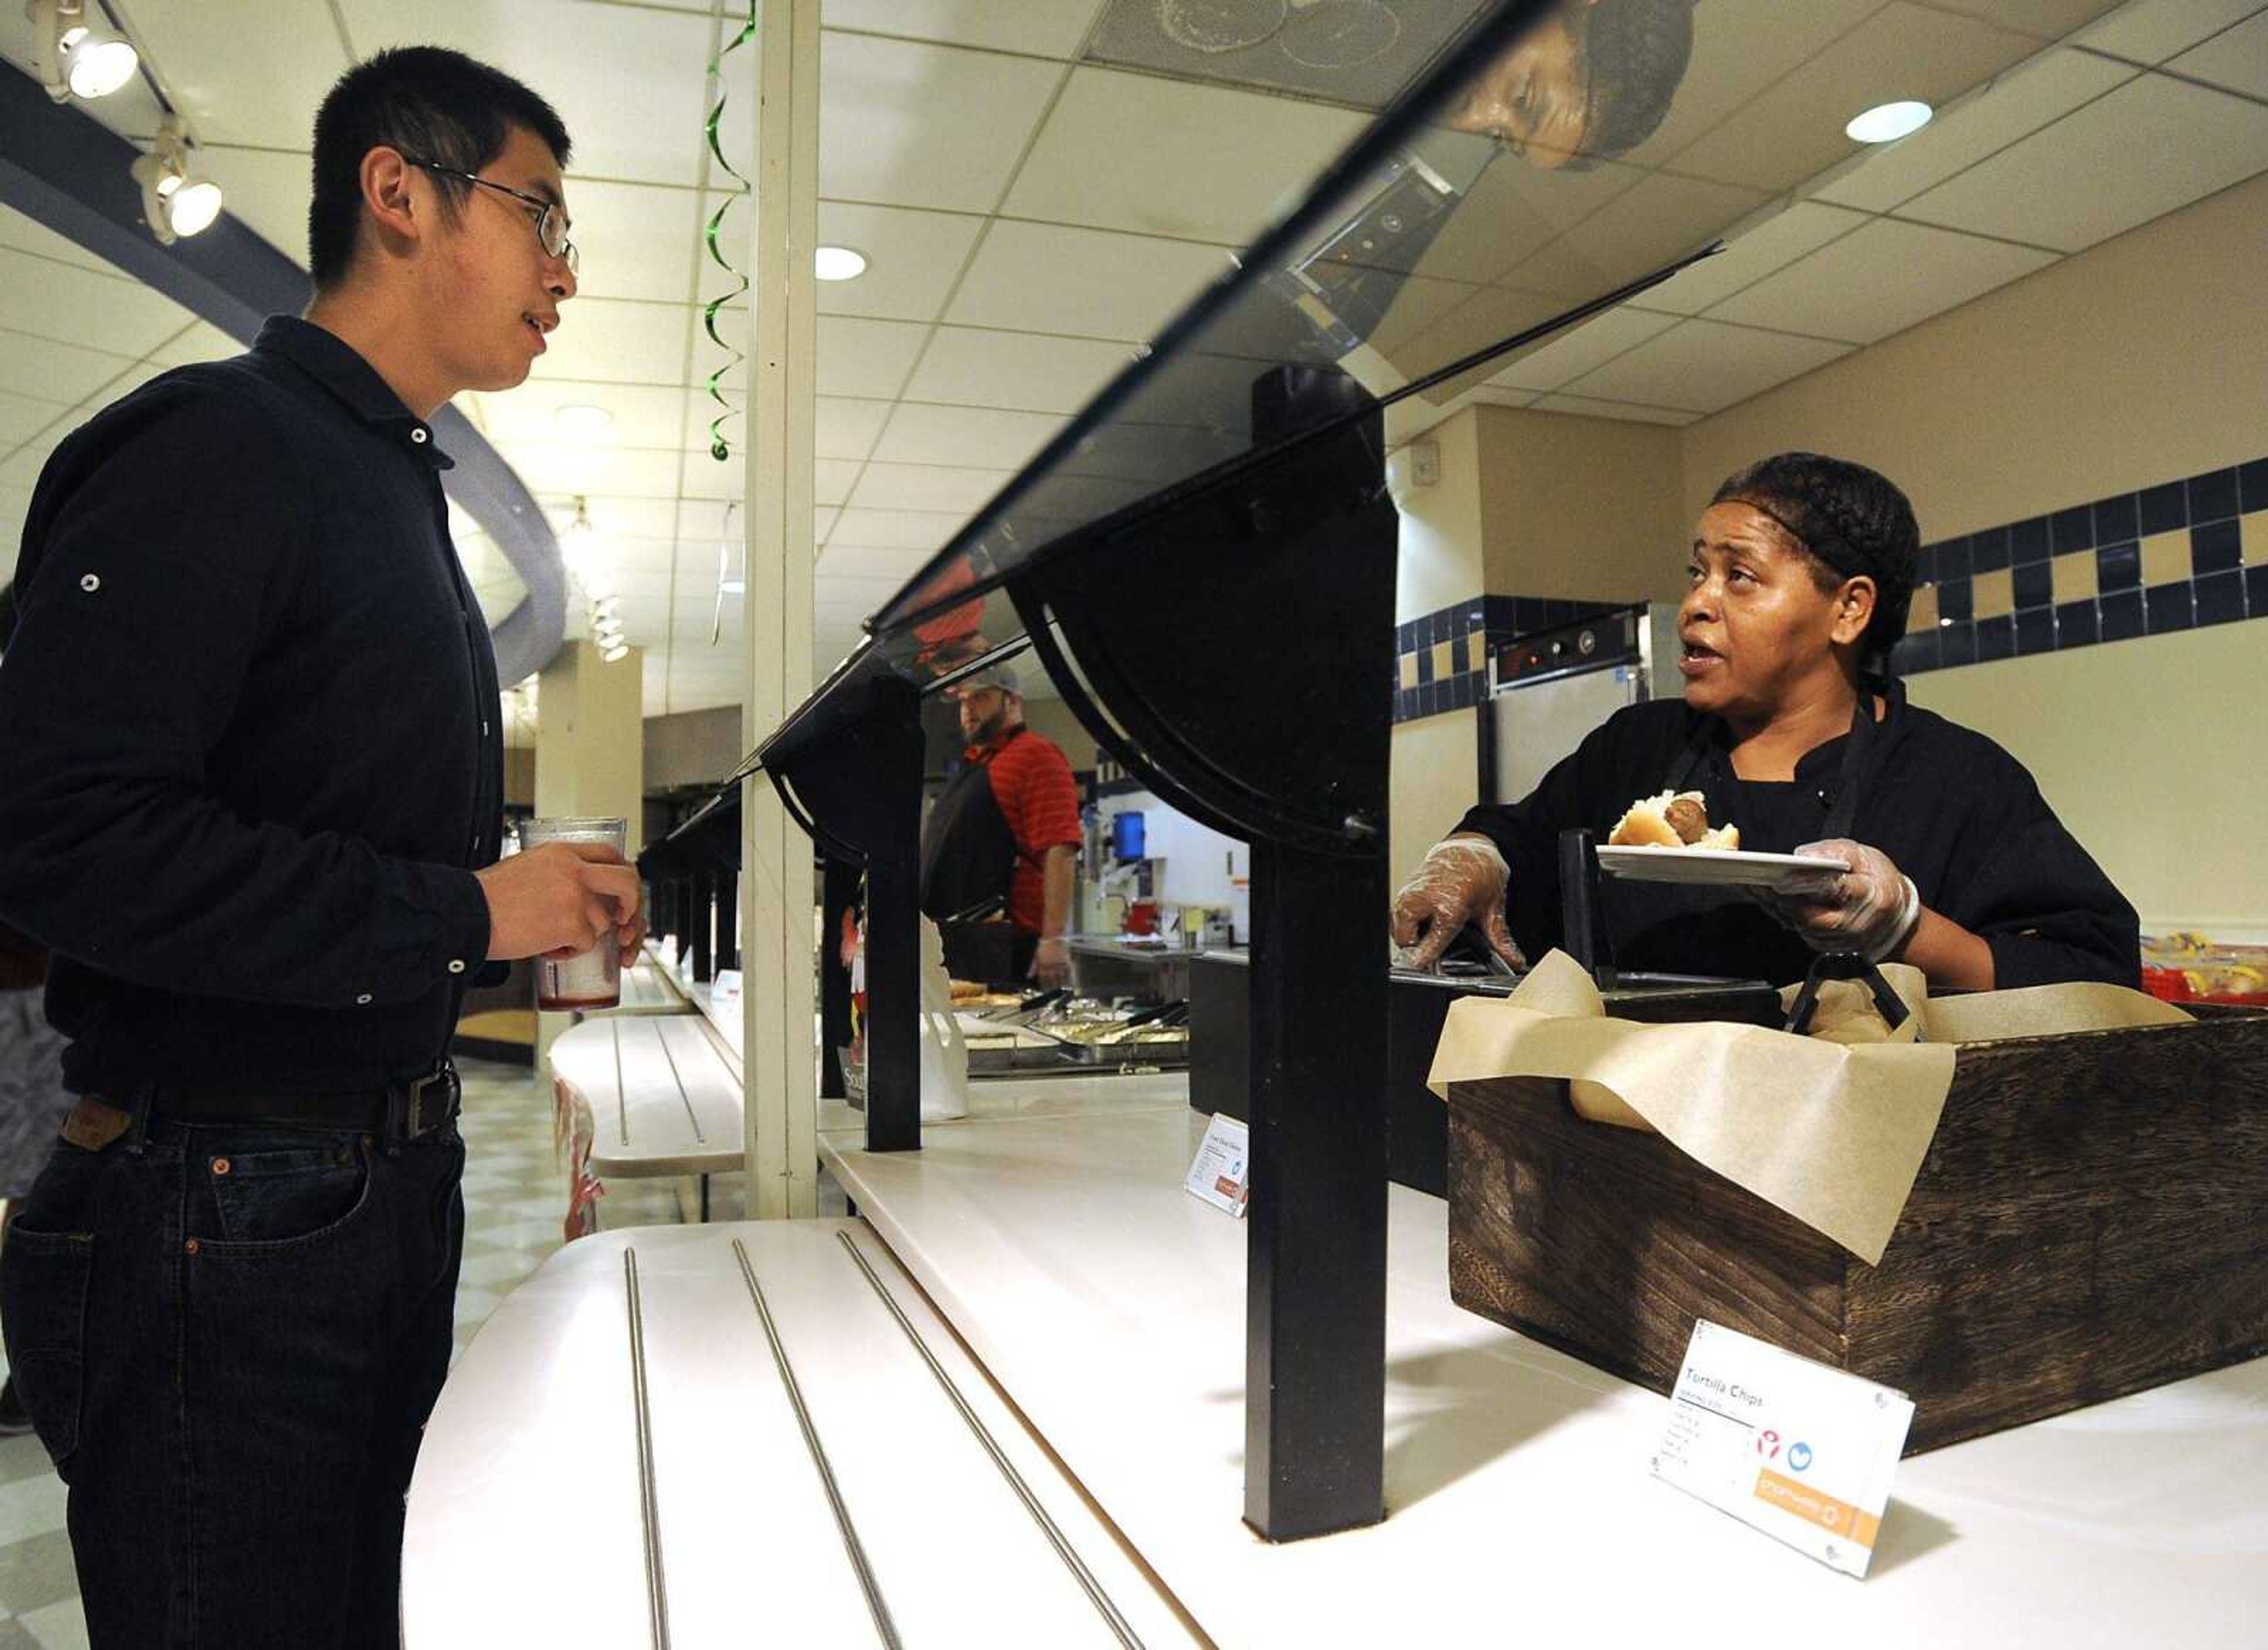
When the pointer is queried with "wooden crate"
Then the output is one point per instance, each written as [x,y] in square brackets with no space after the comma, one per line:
[2092,1219]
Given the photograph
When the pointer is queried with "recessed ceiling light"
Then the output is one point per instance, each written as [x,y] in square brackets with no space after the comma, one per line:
[838,264]
[583,423]
[1887,122]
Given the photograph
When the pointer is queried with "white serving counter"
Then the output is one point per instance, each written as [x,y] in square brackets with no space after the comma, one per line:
[1109,1306]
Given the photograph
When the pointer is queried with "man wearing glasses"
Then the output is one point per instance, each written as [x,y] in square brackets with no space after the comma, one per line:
[250,800]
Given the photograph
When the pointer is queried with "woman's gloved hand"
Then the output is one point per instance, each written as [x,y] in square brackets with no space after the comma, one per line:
[1459,881]
[1872,908]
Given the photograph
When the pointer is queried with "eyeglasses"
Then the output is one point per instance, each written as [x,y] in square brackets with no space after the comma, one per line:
[550,219]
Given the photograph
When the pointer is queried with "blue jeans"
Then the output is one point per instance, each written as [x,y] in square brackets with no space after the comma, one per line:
[229,1338]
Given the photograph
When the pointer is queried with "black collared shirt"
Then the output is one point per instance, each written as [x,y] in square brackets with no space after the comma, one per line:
[250,750]
[1952,809]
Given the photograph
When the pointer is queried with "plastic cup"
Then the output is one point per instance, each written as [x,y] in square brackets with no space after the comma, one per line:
[593,978]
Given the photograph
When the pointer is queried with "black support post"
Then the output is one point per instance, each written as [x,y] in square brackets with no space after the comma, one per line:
[1316,1251]
[839,893]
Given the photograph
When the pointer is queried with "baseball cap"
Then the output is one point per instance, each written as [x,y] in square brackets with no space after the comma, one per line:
[1001,676]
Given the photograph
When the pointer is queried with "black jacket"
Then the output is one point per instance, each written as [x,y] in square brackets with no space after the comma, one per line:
[250,743]
[1952,809]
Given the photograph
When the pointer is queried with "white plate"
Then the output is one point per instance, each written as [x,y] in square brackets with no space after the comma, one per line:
[1785,871]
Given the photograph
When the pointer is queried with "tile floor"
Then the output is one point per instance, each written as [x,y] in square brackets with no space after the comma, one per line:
[515,1195]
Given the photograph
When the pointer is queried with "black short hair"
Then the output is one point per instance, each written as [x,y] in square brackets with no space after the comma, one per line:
[1852,521]
[427,102]
[1635,54]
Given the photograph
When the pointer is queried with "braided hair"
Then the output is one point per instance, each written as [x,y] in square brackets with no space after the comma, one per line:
[1635,54]
[1850,521]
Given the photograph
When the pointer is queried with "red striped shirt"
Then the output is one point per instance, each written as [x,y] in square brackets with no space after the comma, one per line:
[1031,783]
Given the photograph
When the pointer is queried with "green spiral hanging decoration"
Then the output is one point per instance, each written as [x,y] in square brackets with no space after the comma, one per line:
[718,448]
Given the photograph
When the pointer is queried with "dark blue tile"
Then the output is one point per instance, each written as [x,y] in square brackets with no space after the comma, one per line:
[2076,626]
[1404,636]
[2072,529]
[1460,659]
[1476,617]
[2035,583]
[1528,615]
[2252,485]
[2028,542]
[2170,608]
[2220,598]
[2122,615]
[2164,508]
[1915,653]
[2216,547]
[1924,570]
[1956,644]
[1996,638]
[2212,495]
[1402,698]
[2118,567]
[1953,558]
[2036,631]
[1425,657]
[2116,518]
[1956,599]
[2256,590]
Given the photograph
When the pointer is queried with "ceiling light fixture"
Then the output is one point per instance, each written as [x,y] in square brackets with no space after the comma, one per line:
[838,264]
[586,554]
[614,654]
[1887,122]
[73,57]
[176,201]
[583,423]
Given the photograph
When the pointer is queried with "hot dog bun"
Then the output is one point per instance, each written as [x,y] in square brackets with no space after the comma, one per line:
[1672,820]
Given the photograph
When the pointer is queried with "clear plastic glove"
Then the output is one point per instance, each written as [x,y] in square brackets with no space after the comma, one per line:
[1459,881]
[1872,908]
[1051,964]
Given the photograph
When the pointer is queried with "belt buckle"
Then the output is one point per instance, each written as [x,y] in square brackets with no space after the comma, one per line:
[445,1079]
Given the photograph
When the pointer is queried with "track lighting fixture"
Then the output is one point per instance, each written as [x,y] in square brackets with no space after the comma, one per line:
[74,57]
[175,200]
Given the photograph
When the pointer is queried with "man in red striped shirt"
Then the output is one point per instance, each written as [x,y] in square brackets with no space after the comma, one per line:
[1006,830]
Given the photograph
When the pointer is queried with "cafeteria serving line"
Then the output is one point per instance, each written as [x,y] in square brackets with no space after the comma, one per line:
[1552,937]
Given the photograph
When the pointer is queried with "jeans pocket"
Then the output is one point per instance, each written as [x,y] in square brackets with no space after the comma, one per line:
[280,1200]
[43,1280]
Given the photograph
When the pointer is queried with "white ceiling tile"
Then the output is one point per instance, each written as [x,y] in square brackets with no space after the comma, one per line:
[1629,412]
[893,530]
[1568,355]
[2152,145]
[636,240]
[1510,209]
[627,81]
[564,467]
[645,414]
[1094,282]
[1750,254]
[847,427]
[822,525]
[1794,129]
[881,138]
[912,259]
[866,358]
[1703,366]
[24,417]
[2046,19]
[1420,304]
[268,190]
[1636,233]
[611,516]
[2019,103]
[32,365]
[1492,314]
[1738,52]
[833,478]
[1216,164]
[75,306]
[609,341]
[1020,370]
[202,341]
[2152,31]
[983,436]
[28,234]
[926,487]
[2237,60]
[1880,280]
[701,475]
[1042,28]
[869,561]
[238,84]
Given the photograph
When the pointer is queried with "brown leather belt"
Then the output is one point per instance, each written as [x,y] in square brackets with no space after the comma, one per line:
[401,1111]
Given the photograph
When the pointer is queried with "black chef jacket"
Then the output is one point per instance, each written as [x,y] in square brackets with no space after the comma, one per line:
[250,747]
[1952,809]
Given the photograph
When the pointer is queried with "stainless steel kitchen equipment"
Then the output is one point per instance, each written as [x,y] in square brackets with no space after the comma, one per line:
[1548,690]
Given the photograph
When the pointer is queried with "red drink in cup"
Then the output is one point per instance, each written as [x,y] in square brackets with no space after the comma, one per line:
[594,979]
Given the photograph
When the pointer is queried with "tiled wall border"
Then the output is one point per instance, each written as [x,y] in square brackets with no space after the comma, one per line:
[2175,557]
[1442,658]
